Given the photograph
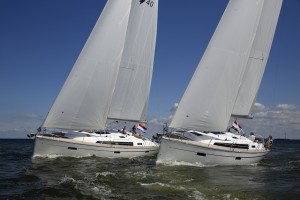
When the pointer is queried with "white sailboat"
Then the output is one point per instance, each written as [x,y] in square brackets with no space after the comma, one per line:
[224,85]
[110,81]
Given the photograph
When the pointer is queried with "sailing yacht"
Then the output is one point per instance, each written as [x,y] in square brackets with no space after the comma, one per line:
[225,86]
[110,81]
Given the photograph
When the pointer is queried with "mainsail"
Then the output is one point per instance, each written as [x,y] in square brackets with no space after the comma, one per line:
[210,97]
[85,99]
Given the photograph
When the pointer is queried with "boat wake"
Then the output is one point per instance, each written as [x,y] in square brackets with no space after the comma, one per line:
[182,163]
[193,193]
[86,186]
[54,156]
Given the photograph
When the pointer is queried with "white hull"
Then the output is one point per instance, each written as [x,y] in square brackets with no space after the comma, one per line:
[195,152]
[51,146]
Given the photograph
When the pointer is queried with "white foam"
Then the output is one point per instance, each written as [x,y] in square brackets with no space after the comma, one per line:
[162,185]
[197,195]
[228,196]
[54,156]
[189,180]
[105,174]
[67,179]
[47,156]
[156,183]
[87,186]
[101,190]
[141,174]
[294,161]
[182,163]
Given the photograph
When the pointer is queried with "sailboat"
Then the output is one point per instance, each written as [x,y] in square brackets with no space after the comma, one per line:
[109,82]
[225,86]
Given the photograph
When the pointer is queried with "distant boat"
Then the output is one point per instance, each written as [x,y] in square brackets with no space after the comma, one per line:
[225,85]
[109,81]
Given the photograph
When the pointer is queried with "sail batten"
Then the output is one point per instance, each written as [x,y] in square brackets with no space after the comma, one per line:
[211,95]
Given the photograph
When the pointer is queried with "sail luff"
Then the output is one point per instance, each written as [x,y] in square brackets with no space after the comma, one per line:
[208,101]
[257,59]
[84,99]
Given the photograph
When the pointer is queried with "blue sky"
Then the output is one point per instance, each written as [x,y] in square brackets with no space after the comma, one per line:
[40,41]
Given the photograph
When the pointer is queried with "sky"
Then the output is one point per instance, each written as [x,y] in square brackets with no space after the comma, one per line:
[41,40]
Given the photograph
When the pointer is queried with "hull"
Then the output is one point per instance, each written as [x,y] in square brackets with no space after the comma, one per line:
[49,146]
[175,150]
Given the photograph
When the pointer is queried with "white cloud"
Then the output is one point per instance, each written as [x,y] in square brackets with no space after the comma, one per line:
[286,107]
[267,121]
[33,116]
[275,122]
[160,121]
[258,106]
[174,108]
[156,124]
[284,118]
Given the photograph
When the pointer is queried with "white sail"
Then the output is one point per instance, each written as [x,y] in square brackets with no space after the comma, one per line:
[258,58]
[131,94]
[209,99]
[84,100]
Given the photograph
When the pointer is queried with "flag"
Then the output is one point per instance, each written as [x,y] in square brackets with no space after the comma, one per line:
[141,128]
[236,126]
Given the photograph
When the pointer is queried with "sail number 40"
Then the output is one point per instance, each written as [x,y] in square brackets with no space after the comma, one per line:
[150,3]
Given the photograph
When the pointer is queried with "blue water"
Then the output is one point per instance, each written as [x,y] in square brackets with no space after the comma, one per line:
[21,177]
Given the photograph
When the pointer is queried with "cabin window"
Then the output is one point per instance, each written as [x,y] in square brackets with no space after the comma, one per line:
[217,133]
[232,145]
[116,143]
[139,144]
[72,148]
[201,154]
[238,158]
[197,134]
[102,132]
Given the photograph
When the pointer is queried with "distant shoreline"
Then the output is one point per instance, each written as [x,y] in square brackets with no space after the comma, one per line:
[284,139]
[16,139]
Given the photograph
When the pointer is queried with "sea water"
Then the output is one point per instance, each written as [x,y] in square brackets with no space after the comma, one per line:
[23,177]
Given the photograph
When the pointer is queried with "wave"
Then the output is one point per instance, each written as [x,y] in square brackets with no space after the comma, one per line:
[67,180]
